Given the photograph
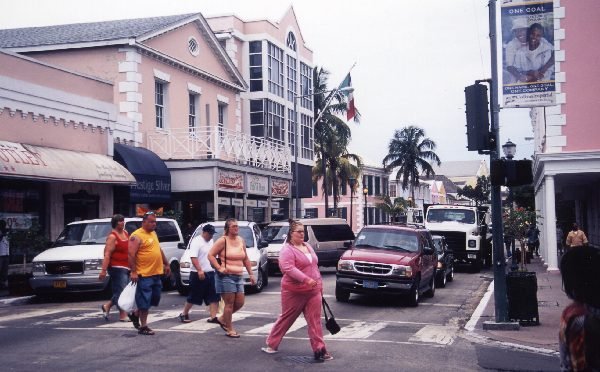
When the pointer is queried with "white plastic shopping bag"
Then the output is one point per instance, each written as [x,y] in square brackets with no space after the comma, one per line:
[127,298]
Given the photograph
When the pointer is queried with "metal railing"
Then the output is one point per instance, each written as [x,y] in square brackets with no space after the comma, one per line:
[221,144]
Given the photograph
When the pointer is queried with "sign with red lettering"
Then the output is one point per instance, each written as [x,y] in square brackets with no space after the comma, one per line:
[230,181]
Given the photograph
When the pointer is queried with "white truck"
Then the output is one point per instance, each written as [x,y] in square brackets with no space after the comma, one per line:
[465,229]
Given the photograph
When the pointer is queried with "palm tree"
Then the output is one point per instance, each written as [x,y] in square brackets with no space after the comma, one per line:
[394,208]
[332,135]
[409,150]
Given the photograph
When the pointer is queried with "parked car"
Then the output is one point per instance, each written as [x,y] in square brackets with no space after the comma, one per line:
[255,248]
[74,261]
[445,265]
[329,237]
[388,260]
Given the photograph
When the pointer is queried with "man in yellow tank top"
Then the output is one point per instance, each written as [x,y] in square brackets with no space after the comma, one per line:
[148,263]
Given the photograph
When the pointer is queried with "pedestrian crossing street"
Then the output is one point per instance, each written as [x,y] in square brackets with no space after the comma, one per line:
[248,323]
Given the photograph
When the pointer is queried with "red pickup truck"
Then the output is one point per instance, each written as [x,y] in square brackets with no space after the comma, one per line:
[388,260]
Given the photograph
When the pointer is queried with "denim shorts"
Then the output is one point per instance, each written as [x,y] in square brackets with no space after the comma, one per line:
[148,291]
[203,291]
[119,277]
[229,283]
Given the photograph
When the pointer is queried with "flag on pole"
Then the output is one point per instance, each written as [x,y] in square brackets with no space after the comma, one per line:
[347,83]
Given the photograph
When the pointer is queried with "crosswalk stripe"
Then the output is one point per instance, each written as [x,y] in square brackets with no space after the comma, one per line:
[358,330]
[31,314]
[435,334]
[82,316]
[266,329]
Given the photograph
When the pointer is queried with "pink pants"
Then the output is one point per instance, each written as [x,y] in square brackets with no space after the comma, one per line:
[292,304]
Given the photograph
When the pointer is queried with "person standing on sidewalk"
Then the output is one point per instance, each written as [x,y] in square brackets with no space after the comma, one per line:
[202,277]
[301,292]
[533,240]
[4,255]
[576,237]
[579,333]
[116,263]
[559,239]
[148,263]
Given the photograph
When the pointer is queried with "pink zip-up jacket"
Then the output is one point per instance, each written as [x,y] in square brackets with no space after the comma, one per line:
[297,269]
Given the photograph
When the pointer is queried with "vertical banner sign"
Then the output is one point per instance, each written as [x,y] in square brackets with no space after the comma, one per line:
[528,53]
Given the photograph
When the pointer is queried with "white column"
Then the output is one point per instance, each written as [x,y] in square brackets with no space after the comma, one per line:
[550,222]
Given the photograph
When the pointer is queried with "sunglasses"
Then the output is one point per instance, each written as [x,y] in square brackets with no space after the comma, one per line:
[149,213]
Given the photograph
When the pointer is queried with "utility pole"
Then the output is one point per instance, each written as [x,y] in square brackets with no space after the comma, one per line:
[499,262]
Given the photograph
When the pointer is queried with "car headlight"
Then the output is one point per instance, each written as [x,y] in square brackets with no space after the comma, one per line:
[401,270]
[185,265]
[345,265]
[472,243]
[92,264]
[439,265]
[253,263]
[38,267]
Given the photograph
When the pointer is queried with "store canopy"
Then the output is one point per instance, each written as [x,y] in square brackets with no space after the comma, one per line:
[153,179]
[18,160]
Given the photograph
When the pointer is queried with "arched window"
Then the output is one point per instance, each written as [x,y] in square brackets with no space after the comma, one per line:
[291,41]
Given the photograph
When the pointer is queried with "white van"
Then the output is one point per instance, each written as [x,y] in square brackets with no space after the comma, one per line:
[74,262]
[329,237]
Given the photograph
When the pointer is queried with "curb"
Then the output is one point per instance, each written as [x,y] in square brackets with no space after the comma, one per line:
[15,300]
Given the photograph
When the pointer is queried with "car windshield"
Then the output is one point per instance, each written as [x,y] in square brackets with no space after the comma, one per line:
[84,233]
[388,239]
[275,234]
[438,245]
[455,215]
[245,232]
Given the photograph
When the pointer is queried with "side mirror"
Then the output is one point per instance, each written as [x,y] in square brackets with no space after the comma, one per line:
[428,250]
[262,244]
[347,244]
[181,245]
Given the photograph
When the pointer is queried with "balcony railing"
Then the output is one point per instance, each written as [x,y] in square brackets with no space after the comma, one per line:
[223,145]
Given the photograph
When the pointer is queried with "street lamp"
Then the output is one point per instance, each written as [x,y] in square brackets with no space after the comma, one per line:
[510,149]
[365,192]
[351,183]
[296,126]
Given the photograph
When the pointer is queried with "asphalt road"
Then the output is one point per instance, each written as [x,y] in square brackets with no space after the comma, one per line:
[378,334]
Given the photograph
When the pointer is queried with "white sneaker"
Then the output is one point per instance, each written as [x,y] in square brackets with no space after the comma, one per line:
[269,350]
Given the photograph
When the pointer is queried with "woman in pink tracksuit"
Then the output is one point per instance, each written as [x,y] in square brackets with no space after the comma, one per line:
[301,291]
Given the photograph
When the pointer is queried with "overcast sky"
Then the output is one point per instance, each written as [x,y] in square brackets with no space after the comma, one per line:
[413,58]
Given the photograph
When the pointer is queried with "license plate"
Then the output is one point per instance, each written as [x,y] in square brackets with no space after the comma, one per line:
[370,284]
[472,256]
[60,284]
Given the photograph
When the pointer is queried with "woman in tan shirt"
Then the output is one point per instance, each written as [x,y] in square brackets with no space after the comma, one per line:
[231,250]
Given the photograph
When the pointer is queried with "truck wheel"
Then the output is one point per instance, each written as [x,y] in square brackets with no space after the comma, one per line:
[342,295]
[442,279]
[413,296]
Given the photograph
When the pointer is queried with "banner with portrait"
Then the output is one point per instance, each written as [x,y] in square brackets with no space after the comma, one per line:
[528,74]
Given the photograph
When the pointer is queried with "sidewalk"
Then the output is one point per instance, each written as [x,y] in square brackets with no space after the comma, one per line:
[551,302]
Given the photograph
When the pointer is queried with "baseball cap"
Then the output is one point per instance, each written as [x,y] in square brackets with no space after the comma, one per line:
[208,228]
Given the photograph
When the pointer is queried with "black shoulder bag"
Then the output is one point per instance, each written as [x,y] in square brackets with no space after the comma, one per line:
[330,322]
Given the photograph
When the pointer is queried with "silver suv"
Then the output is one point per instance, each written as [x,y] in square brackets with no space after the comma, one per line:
[254,247]
[74,262]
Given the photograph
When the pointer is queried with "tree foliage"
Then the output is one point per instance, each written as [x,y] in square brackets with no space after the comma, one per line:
[393,208]
[480,194]
[410,151]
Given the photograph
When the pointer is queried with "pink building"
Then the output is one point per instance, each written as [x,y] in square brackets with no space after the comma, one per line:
[57,130]
[177,87]
[567,147]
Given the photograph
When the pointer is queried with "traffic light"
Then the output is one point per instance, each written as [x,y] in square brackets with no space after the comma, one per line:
[478,122]
[511,172]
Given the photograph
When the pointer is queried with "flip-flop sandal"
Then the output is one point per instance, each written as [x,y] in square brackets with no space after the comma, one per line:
[145,331]
[135,319]
[184,318]
[213,320]
[104,312]
[125,320]
[222,325]
[232,335]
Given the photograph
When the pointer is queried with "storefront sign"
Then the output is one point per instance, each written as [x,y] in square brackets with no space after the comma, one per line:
[150,189]
[45,163]
[280,188]
[251,203]
[237,202]
[263,203]
[224,201]
[230,181]
[258,185]
[274,204]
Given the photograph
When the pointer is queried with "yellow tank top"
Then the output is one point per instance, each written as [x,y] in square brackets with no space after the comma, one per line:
[149,258]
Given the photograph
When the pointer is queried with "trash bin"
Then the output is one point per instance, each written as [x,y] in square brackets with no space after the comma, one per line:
[521,288]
